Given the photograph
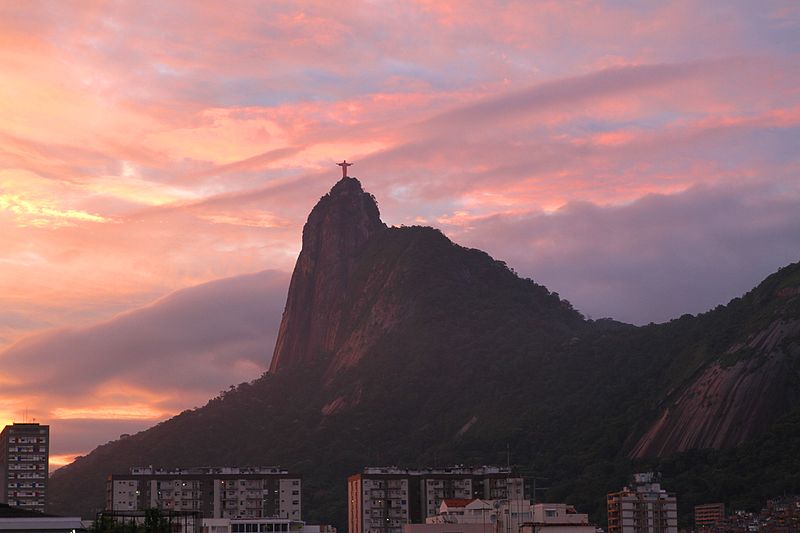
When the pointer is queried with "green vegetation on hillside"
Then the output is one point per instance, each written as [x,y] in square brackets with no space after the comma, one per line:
[481,364]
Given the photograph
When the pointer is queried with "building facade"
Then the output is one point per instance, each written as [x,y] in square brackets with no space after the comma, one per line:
[24,464]
[464,511]
[192,522]
[503,516]
[261,525]
[709,515]
[644,507]
[383,499]
[499,516]
[460,527]
[557,518]
[216,492]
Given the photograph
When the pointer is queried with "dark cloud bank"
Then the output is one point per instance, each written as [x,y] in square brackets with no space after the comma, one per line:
[656,258]
[171,355]
[194,340]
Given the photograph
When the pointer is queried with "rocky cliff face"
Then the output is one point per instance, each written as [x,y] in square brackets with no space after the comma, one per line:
[725,405]
[356,283]
[740,392]
[336,230]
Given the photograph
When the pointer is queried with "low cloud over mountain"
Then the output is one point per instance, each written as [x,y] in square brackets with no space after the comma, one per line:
[653,259]
[144,365]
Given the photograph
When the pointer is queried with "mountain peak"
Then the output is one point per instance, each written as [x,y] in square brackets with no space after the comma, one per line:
[336,230]
[347,209]
[346,185]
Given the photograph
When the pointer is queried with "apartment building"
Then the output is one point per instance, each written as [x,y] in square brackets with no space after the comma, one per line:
[216,492]
[644,507]
[383,499]
[261,525]
[709,515]
[24,463]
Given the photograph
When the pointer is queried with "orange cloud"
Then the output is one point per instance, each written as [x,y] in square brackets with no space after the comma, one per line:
[110,412]
[63,459]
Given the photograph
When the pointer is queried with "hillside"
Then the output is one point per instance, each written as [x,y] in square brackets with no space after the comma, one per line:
[398,346]
[744,372]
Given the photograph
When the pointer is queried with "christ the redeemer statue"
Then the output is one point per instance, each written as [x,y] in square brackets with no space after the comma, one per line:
[344,164]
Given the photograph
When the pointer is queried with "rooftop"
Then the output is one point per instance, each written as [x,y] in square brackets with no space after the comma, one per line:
[456,502]
[456,469]
[149,470]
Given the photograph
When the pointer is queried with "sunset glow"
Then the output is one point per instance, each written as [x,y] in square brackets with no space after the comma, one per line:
[613,151]
[57,461]
[118,412]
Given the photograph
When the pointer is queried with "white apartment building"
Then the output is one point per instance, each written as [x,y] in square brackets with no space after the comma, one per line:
[644,507]
[504,516]
[464,511]
[217,492]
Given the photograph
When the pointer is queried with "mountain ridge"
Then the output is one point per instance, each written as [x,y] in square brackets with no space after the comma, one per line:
[423,351]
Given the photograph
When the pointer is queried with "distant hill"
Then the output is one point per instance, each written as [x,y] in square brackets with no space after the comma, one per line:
[398,346]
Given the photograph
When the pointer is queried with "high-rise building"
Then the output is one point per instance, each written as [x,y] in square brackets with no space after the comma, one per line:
[644,507]
[383,499]
[24,461]
[217,492]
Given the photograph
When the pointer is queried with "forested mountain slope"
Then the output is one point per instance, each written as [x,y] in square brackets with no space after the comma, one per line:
[398,346]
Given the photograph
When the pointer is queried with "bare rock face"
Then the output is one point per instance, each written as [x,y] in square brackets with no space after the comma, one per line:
[337,228]
[357,283]
[732,400]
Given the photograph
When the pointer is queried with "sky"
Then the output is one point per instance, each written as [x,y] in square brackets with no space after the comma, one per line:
[158,160]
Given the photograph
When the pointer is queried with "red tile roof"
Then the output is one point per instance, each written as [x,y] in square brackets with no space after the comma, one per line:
[457,502]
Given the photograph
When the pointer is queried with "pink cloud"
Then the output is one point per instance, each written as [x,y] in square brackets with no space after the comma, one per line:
[218,333]
[150,147]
